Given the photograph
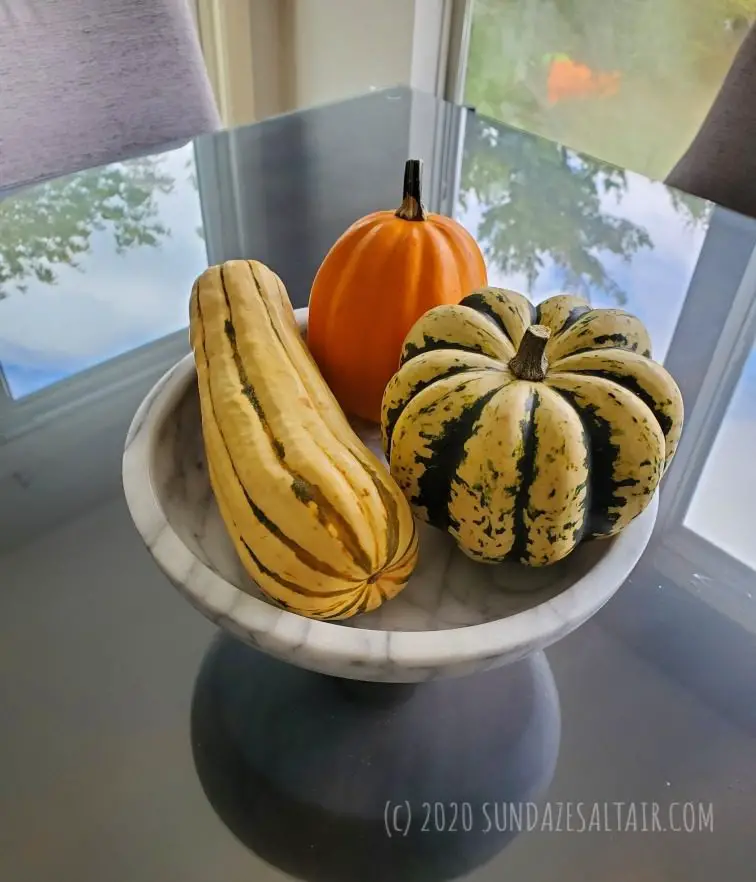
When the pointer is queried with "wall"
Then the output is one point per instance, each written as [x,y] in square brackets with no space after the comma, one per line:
[267,57]
[225,34]
[343,47]
[271,66]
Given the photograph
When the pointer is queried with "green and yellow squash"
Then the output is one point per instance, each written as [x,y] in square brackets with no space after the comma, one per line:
[523,430]
[315,517]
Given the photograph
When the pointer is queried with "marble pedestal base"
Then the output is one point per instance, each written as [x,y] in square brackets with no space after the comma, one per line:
[301,769]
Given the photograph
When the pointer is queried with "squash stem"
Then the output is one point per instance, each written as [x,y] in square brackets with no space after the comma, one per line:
[412,208]
[530,361]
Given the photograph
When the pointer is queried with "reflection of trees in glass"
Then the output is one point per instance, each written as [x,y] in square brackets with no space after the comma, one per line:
[670,56]
[541,202]
[696,212]
[53,223]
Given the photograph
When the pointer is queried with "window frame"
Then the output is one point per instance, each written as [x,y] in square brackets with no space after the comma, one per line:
[725,346]
[710,379]
[457,49]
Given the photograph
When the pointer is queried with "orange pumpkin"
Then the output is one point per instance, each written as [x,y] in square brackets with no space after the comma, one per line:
[386,270]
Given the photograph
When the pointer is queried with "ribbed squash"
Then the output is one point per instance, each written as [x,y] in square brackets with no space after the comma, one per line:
[383,273]
[315,517]
[523,430]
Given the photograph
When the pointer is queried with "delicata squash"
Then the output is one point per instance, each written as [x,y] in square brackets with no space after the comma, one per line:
[315,517]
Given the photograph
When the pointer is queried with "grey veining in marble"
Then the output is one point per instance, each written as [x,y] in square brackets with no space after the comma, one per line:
[454,617]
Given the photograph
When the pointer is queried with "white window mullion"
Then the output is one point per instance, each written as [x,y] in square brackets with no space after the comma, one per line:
[458,47]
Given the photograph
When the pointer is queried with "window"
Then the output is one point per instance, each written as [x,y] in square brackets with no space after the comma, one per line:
[702,538]
[721,506]
[629,82]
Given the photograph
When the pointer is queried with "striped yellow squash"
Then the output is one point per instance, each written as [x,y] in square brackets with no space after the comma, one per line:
[523,430]
[315,517]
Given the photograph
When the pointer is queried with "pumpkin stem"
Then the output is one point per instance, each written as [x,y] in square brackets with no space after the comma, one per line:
[411,208]
[530,362]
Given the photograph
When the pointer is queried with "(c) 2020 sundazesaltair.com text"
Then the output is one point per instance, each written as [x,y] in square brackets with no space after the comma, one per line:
[402,817]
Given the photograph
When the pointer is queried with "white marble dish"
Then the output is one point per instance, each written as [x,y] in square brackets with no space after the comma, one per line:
[454,617]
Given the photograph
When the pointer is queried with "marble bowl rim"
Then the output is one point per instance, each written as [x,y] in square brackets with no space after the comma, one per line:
[333,641]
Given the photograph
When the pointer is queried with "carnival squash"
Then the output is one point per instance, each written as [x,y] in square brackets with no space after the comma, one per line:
[523,430]
[383,273]
[315,517]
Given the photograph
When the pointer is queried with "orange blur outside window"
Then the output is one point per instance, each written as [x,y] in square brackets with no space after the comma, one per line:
[569,79]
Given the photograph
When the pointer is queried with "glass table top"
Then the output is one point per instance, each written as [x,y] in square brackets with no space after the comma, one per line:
[139,743]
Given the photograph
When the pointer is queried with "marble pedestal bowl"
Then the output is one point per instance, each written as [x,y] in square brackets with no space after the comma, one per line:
[454,617]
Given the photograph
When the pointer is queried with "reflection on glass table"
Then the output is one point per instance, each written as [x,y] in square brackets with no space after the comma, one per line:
[549,219]
[97,264]
[629,82]
[721,506]
[94,265]
[335,780]
[656,693]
